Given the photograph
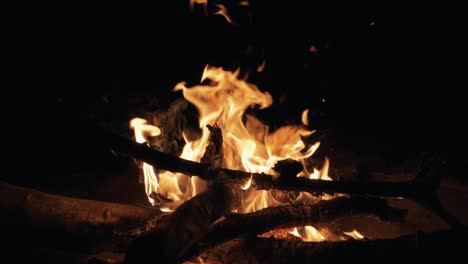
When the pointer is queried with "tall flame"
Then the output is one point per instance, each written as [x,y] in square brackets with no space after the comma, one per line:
[248,144]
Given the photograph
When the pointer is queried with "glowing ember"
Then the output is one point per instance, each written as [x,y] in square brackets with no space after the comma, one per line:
[248,144]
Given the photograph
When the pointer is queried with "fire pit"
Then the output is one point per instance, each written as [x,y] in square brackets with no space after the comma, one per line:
[235,167]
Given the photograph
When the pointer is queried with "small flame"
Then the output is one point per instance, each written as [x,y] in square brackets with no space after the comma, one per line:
[304,117]
[310,234]
[223,11]
[164,209]
[201,2]
[142,129]
[323,173]
[247,184]
[200,260]
[261,67]
[354,234]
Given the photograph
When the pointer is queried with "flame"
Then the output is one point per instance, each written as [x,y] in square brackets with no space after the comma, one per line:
[248,144]
[309,234]
[247,185]
[323,173]
[200,2]
[261,67]
[141,128]
[354,234]
[304,118]
[223,11]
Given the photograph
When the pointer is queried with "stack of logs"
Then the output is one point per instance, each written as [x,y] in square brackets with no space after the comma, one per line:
[203,229]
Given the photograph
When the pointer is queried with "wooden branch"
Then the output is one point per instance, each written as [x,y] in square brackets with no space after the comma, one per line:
[189,221]
[410,189]
[214,151]
[421,189]
[235,225]
[84,218]
[422,247]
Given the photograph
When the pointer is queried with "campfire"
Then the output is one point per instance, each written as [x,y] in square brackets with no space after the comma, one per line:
[232,190]
[220,183]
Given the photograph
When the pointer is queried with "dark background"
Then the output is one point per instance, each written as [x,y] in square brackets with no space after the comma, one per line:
[385,74]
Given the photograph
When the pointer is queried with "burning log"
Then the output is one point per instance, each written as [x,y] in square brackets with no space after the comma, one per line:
[214,152]
[236,225]
[421,189]
[188,222]
[83,218]
[419,246]
[410,189]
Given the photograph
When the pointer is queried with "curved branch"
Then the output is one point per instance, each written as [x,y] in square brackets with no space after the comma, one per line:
[235,225]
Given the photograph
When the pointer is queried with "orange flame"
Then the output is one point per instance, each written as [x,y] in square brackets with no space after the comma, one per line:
[354,234]
[309,234]
[223,11]
[201,2]
[248,144]
[261,67]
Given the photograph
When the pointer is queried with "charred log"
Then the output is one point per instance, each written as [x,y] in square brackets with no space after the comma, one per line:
[84,218]
[415,247]
[235,225]
[411,189]
[188,222]
[214,152]
[421,189]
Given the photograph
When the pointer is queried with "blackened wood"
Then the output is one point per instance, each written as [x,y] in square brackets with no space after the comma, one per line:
[235,225]
[188,222]
[421,189]
[55,213]
[214,151]
[416,189]
[420,248]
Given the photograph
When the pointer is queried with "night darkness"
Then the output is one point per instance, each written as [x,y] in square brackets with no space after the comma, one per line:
[383,77]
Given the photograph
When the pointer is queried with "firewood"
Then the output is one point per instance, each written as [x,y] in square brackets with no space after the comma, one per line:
[408,189]
[214,151]
[56,213]
[419,247]
[235,225]
[421,189]
[188,222]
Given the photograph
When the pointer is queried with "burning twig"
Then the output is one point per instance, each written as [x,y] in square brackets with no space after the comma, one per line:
[189,221]
[235,225]
[419,246]
[78,217]
[214,152]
